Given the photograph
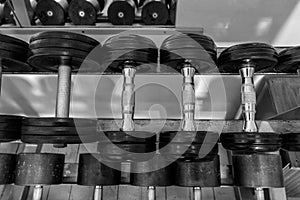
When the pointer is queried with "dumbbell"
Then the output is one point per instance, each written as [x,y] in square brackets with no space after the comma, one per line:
[39,169]
[95,170]
[85,12]
[127,54]
[155,12]
[63,52]
[188,53]
[253,166]
[288,62]
[52,12]
[122,12]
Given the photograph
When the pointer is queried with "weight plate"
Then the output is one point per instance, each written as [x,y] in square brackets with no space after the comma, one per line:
[64,35]
[10,118]
[83,12]
[125,148]
[155,13]
[14,41]
[58,131]
[257,170]
[39,169]
[50,12]
[121,13]
[60,51]
[130,136]
[92,172]
[11,65]
[14,48]
[61,43]
[198,172]
[197,137]
[252,142]
[188,150]
[59,122]
[248,46]
[7,168]
[140,56]
[9,55]
[291,141]
[59,139]
[161,177]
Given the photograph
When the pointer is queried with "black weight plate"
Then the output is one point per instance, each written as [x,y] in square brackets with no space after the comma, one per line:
[128,42]
[12,125]
[247,46]
[39,169]
[199,137]
[9,135]
[64,35]
[58,131]
[10,118]
[130,136]
[42,9]
[161,177]
[121,13]
[291,141]
[7,168]
[198,172]
[60,51]
[119,148]
[92,172]
[252,142]
[61,43]
[292,51]
[58,139]
[261,62]
[13,48]
[82,12]
[59,122]
[14,41]
[155,13]
[11,65]
[9,55]
[146,55]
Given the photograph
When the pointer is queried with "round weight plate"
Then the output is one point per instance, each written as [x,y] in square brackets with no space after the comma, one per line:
[10,119]
[39,169]
[188,136]
[138,56]
[59,122]
[130,136]
[50,12]
[121,13]
[12,65]
[257,170]
[9,55]
[9,135]
[14,41]
[161,177]
[83,12]
[155,13]
[123,149]
[252,142]
[61,131]
[64,35]
[60,51]
[198,172]
[291,141]
[59,139]
[61,43]
[20,50]
[247,46]
[92,172]
[7,168]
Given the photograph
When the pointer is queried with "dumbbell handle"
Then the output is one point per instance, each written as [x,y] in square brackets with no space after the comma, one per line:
[128,98]
[98,194]
[37,192]
[259,192]
[188,98]
[151,193]
[248,98]
[197,193]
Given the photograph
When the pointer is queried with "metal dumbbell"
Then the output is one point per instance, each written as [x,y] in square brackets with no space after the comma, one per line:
[52,12]
[61,52]
[93,171]
[127,54]
[38,170]
[288,62]
[250,146]
[122,12]
[155,12]
[188,53]
[85,12]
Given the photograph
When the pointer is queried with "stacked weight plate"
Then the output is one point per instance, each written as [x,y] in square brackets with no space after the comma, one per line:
[200,50]
[85,12]
[122,12]
[288,62]
[263,55]
[155,12]
[52,12]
